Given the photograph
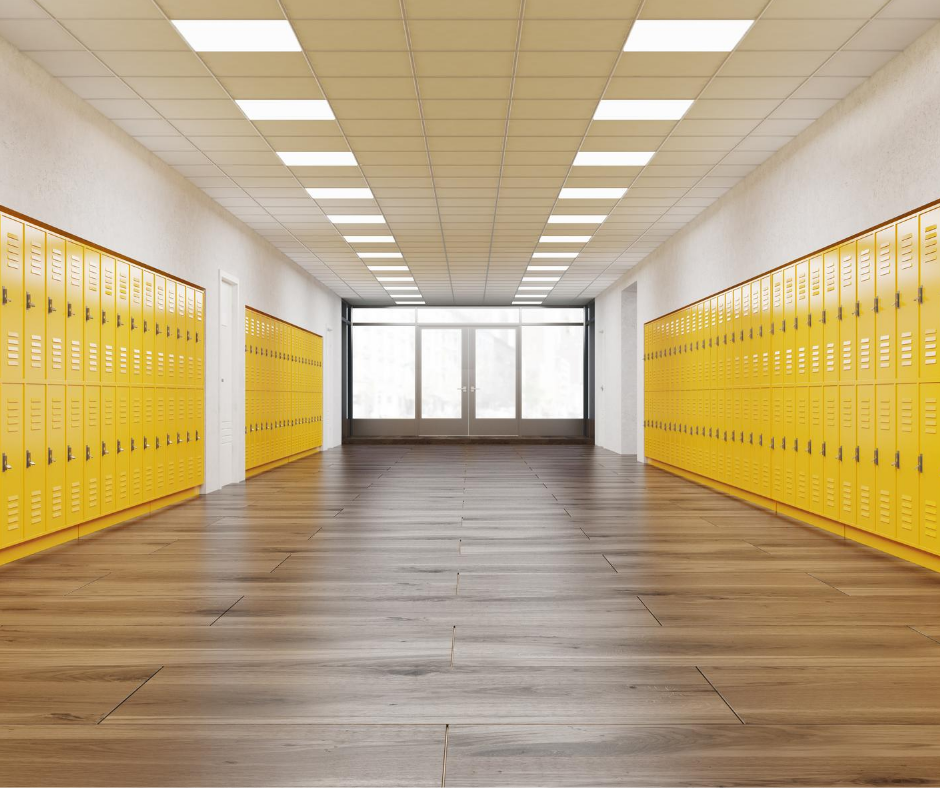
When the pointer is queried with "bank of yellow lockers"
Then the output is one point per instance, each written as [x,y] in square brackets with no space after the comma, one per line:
[81,338]
[815,385]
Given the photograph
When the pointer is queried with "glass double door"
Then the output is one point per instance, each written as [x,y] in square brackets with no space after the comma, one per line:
[468,381]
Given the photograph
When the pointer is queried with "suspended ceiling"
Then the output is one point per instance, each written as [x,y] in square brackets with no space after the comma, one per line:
[464,117]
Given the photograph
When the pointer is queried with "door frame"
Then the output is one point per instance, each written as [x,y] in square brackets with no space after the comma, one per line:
[495,427]
[443,427]
[236,384]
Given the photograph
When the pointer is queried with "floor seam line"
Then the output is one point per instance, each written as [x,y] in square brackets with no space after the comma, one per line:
[136,689]
[85,585]
[640,600]
[281,562]
[611,565]
[810,574]
[444,764]
[730,707]
[229,607]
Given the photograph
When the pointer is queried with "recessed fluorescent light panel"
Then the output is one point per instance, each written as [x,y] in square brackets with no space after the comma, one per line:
[564,239]
[591,194]
[554,255]
[327,158]
[369,239]
[285,109]
[369,218]
[338,194]
[547,268]
[395,278]
[577,218]
[642,109]
[238,35]
[380,255]
[405,303]
[382,268]
[535,287]
[526,303]
[540,278]
[686,35]
[591,158]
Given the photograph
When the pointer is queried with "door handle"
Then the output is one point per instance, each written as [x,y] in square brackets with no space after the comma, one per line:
[6,464]
[104,449]
[133,445]
[51,307]
[119,448]
[50,459]
[920,463]
[68,309]
[68,454]
[146,445]
[133,324]
[104,317]
[87,452]
[876,456]
[29,459]
[29,301]
[6,297]
[87,313]
[119,323]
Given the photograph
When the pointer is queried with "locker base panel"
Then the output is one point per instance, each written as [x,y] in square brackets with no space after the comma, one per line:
[896,549]
[74,532]
[270,466]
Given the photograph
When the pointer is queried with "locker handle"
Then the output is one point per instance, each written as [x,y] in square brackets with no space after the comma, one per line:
[783,326]
[88,313]
[796,444]
[726,435]
[751,439]
[157,445]
[6,465]
[772,325]
[823,449]
[133,445]
[732,436]
[772,442]
[146,445]
[50,459]
[732,338]
[809,447]
[187,436]
[119,323]
[897,300]
[188,337]
[796,324]
[178,439]
[104,449]
[897,460]
[874,306]
[760,331]
[876,456]
[197,436]
[920,463]
[742,333]
[133,323]
[809,319]
[156,328]
[50,307]
[839,313]
[839,454]
[858,454]
[6,298]
[858,309]
[760,439]
[179,334]
[168,331]
[104,317]
[783,443]
[68,454]
[68,309]
[197,336]
[822,317]
[751,335]
[145,326]
[29,301]
[29,459]
[920,294]
[87,452]
[120,449]
[169,440]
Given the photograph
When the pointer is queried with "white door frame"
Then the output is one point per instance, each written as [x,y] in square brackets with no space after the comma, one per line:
[236,384]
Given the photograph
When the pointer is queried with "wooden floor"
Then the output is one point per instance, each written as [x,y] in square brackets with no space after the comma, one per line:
[468,615]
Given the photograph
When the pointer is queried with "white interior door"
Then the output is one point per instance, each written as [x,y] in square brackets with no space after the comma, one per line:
[228,330]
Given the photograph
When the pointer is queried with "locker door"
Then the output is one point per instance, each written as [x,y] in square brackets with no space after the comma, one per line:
[738,472]
[930,296]
[181,361]
[929,531]
[35,460]
[190,395]
[788,324]
[848,299]
[199,447]
[147,452]
[865,309]
[720,339]
[54,458]
[159,439]
[711,360]
[74,458]
[814,449]
[831,452]
[777,444]
[169,332]
[763,331]
[55,309]
[92,453]
[34,282]
[133,450]
[908,462]
[867,505]
[108,319]
[169,445]
[190,336]
[74,312]
[136,327]
[801,323]
[762,440]
[12,311]
[886,289]
[886,474]
[814,321]
[744,336]
[848,440]
[200,338]
[122,330]
[801,437]
[159,331]
[122,446]
[830,316]
[91,317]
[728,343]
[13,451]
[107,449]
[147,328]
[182,447]
[907,356]
[778,335]
[754,338]
[737,346]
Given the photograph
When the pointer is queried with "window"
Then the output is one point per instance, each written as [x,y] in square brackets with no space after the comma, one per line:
[383,372]
[552,372]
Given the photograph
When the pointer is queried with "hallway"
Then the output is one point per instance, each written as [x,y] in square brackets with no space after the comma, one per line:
[472,615]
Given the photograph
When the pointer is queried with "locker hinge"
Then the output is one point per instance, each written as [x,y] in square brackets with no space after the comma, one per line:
[29,459]
[920,463]
[120,449]
[809,447]
[858,454]
[29,301]
[104,449]
[6,465]
[68,454]
[823,449]
[897,460]
[876,456]
[920,294]
[822,317]
[49,306]
[119,323]
[49,458]
[874,306]
[897,300]
[87,453]
[6,299]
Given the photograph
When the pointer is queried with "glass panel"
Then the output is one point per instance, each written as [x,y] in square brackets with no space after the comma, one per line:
[387,315]
[441,373]
[383,372]
[468,315]
[495,373]
[538,315]
[552,372]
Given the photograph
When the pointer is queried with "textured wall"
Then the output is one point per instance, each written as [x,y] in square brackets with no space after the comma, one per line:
[68,166]
[873,156]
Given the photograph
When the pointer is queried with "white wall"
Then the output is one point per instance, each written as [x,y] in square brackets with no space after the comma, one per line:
[872,157]
[68,166]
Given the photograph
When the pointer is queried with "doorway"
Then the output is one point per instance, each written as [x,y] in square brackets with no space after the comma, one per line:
[231,463]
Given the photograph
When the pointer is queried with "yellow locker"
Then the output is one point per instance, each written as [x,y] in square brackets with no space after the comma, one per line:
[831,316]
[122,324]
[169,444]
[190,336]
[800,323]
[159,330]
[850,453]
[136,326]
[778,443]
[865,306]
[54,458]
[907,356]
[788,324]
[199,448]
[34,282]
[831,452]
[159,458]
[786,446]
[929,296]
[74,458]
[763,444]
[886,474]
[762,331]
[133,449]
[813,449]
[92,317]
[727,344]
[146,446]
[12,447]
[754,338]
[122,446]
[13,300]
[199,338]
[147,328]
[736,473]
[801,439]
[74,312]
[55,309]
[108,319]
[887,300]
[908,463]
[814,321]
[721,339]
[181,447]
[743,337]
[713,338]
[737,346]
[181,360]
[107,449]
[35,460]
[169,318]
[92,453]
[777,329]
[867,505]
[929,466]
[848,310]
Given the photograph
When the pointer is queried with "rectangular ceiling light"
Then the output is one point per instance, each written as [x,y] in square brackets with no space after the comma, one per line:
[554,255]
[591,194]
[339,194]
[405,303]
[285,109]
[369,239]
[376,269]
[400,287]
[577,218]
[238,35]
[380,255]
[564,239]
[624,158]
[368,218]
[535,287]
[547,268]
[327,158]
[395,278]
[526,303]
[686,35]
[541,278]
[642,109]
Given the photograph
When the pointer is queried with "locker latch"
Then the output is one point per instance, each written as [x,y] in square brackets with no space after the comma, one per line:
[772,326]
[169,440]
[732,338]
[760,439]
[104,317]
[50,307]
[876,456]
[157,444]
[750,438]
[783,443]
[87,452]
[897,300]
[178,439]
[188,337]
[760,331]
[839,454]
[858,454]
[858,308]
[796,444]
[809,319]
[197,336]
[29,301]
[156,328]
[187,436]
[119,447]
[839,313]
[920,294]
[796,324]
[197,436]
[809,447]
[874,306]
[29,459]
[133,324]
[920,463]
[145,326]
[742,436]
[822,317]
[772,442]
[742,334]
[751,335]
[168,331]
[6,299]
[87,313]
[68,454]
[6,465]
[897,460]
[783,326]
[823,449]
[179,334]
[732,436]
[119,323]
[49,458]
[133,445]
[146,445]
[68,308]
[104,449]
